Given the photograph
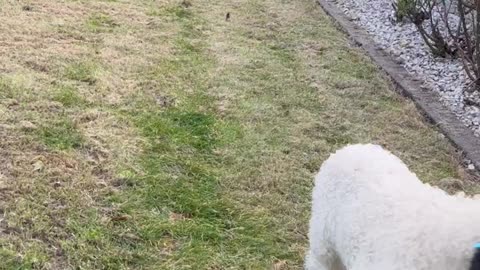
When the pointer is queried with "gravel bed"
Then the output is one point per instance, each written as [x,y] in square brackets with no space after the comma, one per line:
[445,76]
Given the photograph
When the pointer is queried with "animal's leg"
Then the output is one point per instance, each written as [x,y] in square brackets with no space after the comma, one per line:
[319,259]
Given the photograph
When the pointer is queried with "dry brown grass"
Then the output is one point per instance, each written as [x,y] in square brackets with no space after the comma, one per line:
[63,49]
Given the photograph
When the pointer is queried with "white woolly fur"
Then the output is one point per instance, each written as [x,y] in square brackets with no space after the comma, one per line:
[369,212]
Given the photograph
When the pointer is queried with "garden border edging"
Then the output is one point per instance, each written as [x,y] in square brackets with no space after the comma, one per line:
[426,100]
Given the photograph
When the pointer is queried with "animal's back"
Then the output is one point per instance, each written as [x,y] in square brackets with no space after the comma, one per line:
[364,170]
[361,193]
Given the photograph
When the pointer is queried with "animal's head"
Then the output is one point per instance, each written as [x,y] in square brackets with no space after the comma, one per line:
[475,264]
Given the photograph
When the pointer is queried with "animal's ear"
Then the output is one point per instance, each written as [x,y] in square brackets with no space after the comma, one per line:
[475,264]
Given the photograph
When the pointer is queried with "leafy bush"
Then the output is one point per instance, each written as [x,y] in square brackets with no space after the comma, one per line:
[449,28]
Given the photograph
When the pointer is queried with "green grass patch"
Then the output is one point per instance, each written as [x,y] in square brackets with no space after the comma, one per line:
[82,71]
[33,259]
[176,11]
[7,90]
[68,96]
[61,134]
[99,22]
[187,128]
[182,176]
[97,244]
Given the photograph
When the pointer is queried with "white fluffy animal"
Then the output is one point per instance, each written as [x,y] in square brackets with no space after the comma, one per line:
[371,213]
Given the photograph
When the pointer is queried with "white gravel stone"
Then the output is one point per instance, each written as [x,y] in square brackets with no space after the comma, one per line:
[402,40]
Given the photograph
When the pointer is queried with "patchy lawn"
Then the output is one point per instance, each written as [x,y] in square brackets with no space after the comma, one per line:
[158,135]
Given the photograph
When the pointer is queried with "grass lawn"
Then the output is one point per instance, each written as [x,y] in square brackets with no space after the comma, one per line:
[155,134]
